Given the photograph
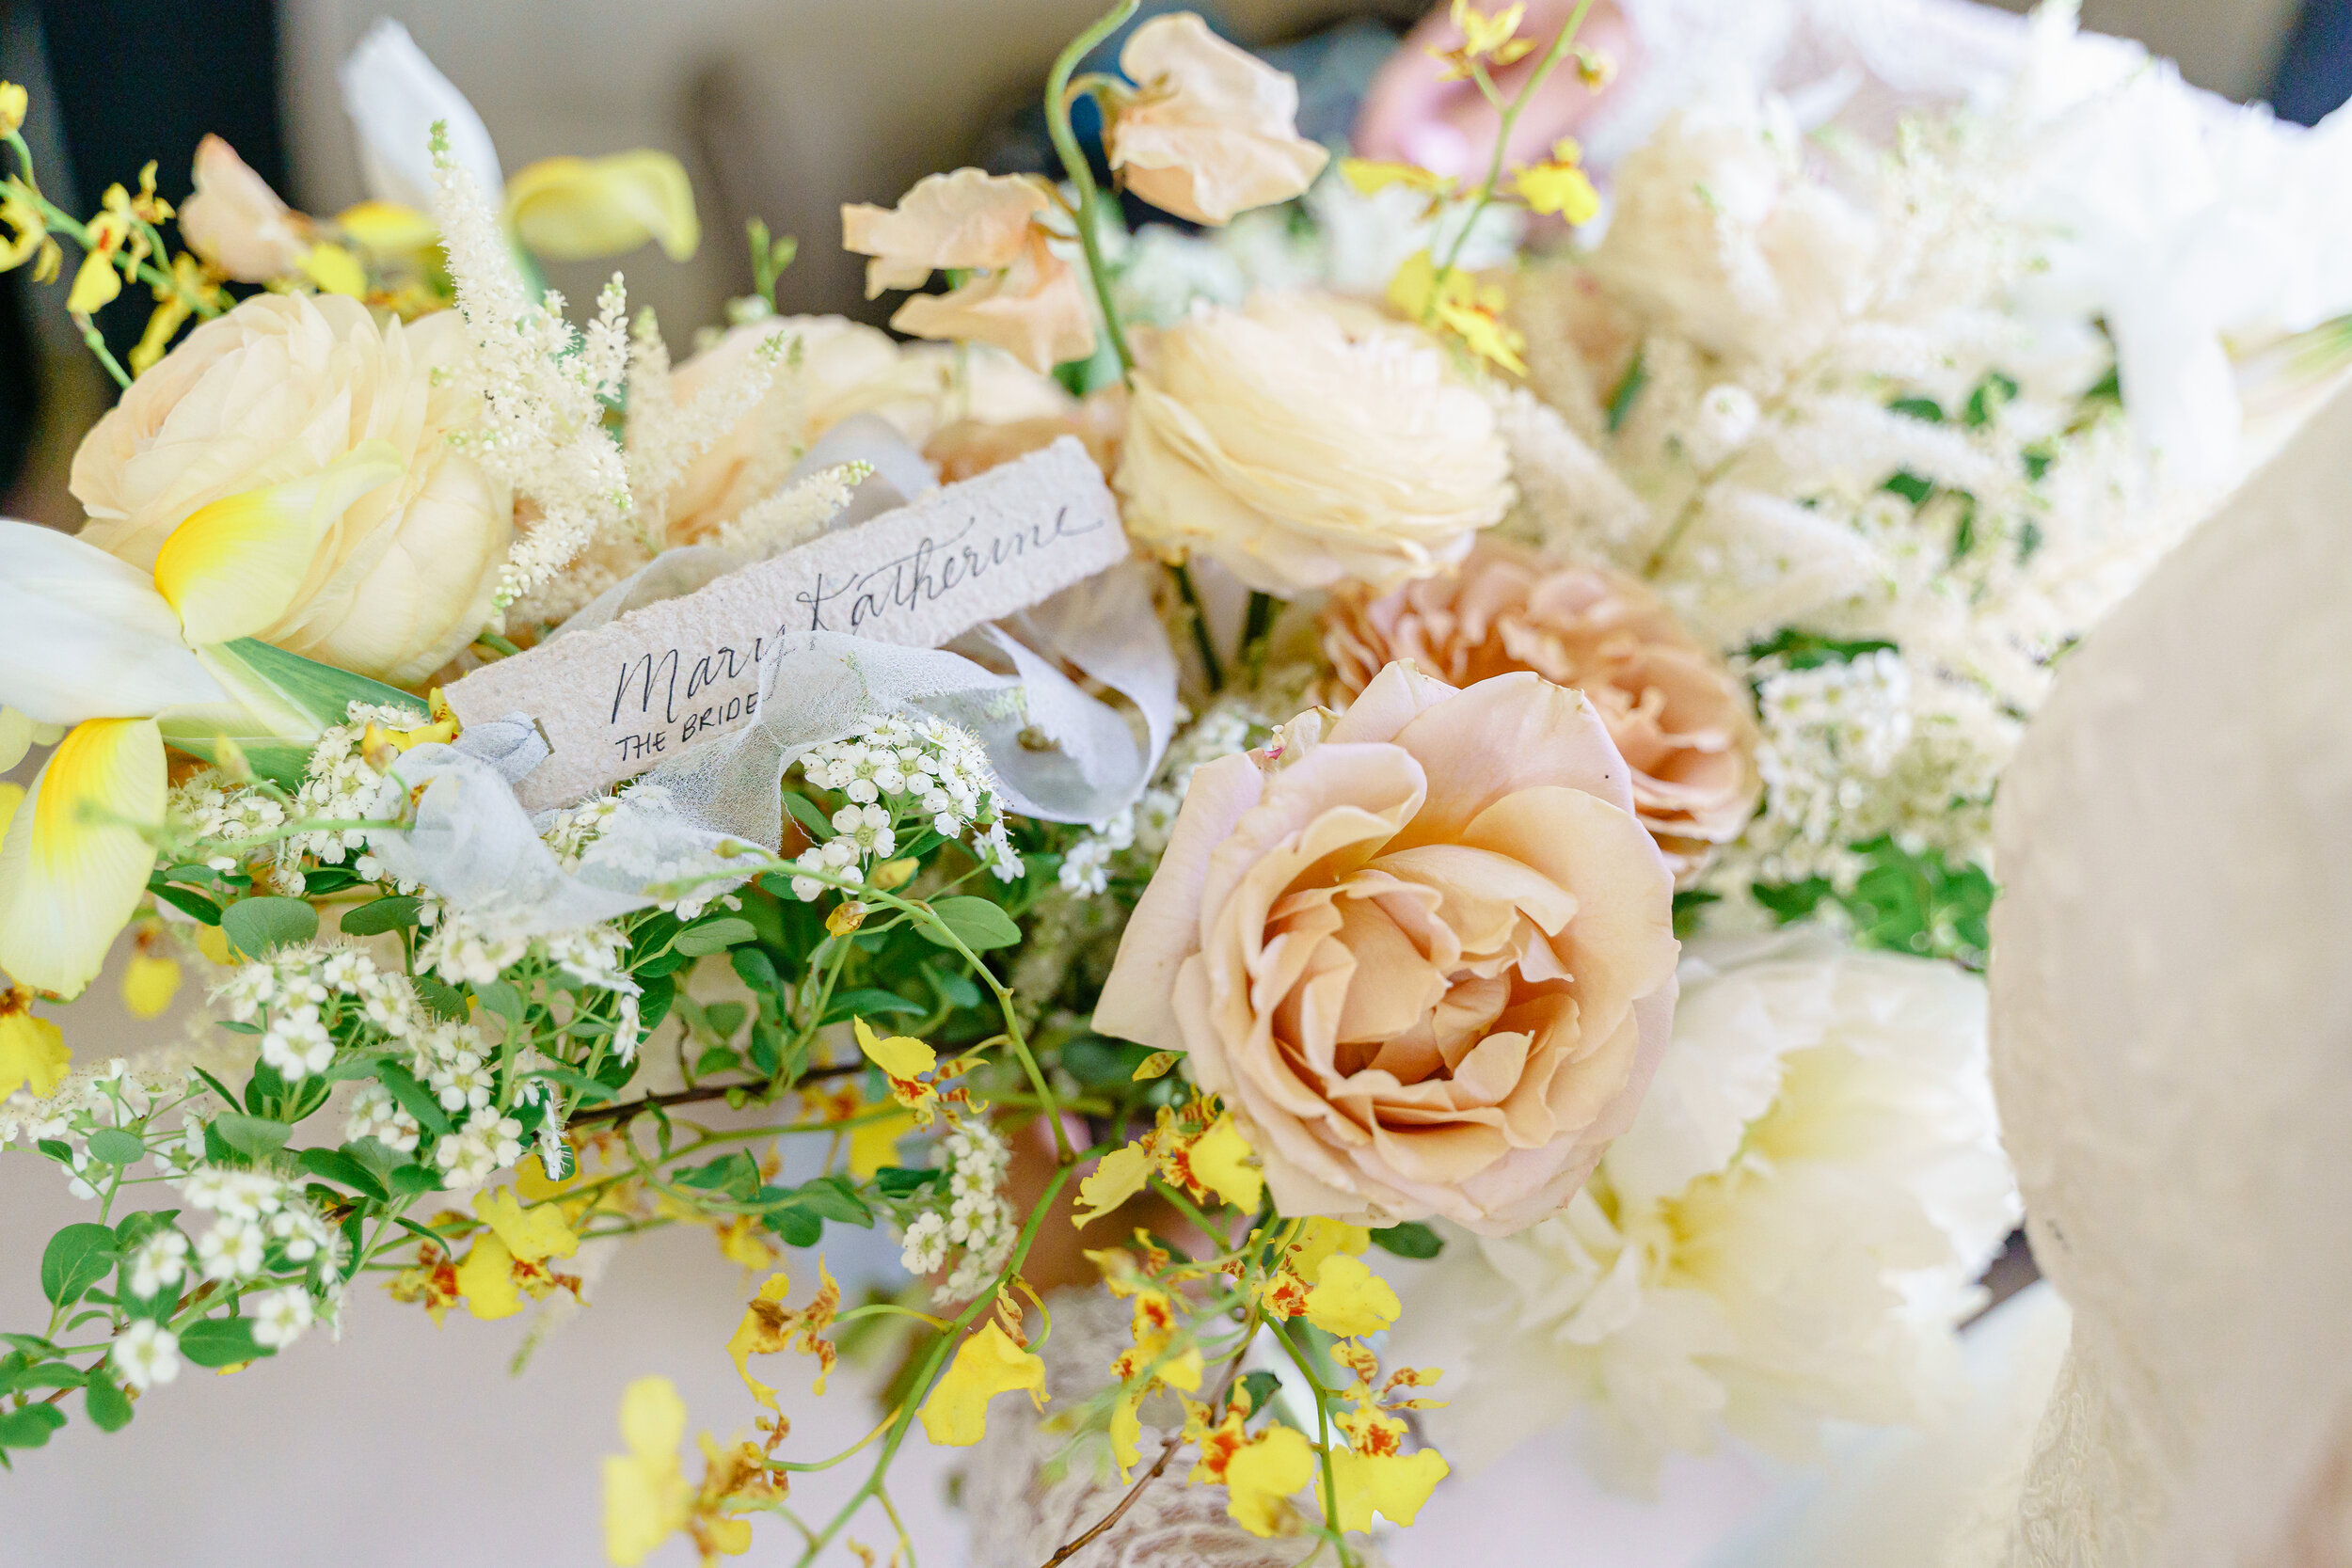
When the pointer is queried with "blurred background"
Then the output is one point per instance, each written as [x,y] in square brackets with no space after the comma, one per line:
[781,109]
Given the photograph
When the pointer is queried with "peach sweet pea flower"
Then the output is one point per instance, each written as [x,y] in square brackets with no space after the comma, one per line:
[1028,302]
[1427,959]
[1681,719]
[236,222]
[1212,130]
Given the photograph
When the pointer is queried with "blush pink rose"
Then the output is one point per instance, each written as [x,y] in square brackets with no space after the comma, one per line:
[1677,713]
[1426,959]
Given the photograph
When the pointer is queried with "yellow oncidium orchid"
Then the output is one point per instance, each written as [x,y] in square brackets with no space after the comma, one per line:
[32,1050]
[1559,185]
[1494,38]
[646,1497]
[124,655]
[1455,300]
[987,1364]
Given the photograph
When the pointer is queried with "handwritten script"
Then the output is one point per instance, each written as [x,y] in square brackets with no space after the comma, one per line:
[614,701]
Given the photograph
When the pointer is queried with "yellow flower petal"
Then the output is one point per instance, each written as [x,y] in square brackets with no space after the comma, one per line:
[1262,1474]
[899,1055]
[1126,1435]
[1117,1177]
[986,1365]
[646,1497]
[96,284]
[234,567]
[1317,1240]
[149,981]
[1559,187]
[1370,175]
[334,270]
[1220,1159]
[577,209]
[1395,1485]
[32,1050]
[1350,1300]
[388,229]
[72,869]
[875,1144]
[487,1280]
[528,1234]
[14,100]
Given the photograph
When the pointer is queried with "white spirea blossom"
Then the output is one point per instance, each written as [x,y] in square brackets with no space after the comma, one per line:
[280,1317]
[1787,1235]
[902,777]
[965,1215]
[486,1144]
[158,1263]
[148,1354]
[340,785]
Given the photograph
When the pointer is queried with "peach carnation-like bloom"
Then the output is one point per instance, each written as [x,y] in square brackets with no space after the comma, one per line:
[1212,130]
[1678,717]
[1301,447]
[968,448]
[1428,959]
[1027,301]
[277,390]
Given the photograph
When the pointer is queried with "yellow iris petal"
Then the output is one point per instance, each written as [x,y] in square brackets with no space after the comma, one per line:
[32,1050]
[1350,1300]
[986,1365]
[577,209]
[73,865]
[234,567]
[529,1234]
[646,1497]
[388,229]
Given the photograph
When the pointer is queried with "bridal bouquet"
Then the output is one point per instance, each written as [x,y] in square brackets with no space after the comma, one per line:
[1250,775]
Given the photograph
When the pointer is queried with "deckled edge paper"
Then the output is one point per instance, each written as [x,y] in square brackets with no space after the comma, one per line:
[658,680]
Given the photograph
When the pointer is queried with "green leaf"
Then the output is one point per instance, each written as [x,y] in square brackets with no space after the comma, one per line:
[735,1174]
[254,926]
[414,1097]
[899,1181]
[108,1407]
[194,905]
[811,816]
[320,692]
[1099,1063]
[75,1259]
[30,1427]
[505,1000]
[755,969]
[1629,388]
[255,1137]
[333,1164]
[1925,409]
[441,998]
[383,915]
[719,1058]
[725,1018]
[867,1001]
[795,1225]
[1911,486]
[977,922]
[221,1342]
[53,1374]
[831,1197]
[714,936]
[1805,649]
[1409,1240]
[138,1225]
[31,1344]
[116,1146]
[1260,1386]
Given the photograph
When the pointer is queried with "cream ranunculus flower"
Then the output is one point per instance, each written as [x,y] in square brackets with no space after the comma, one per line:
[840,367]
[1681,718]
[1428,959]
[1026,301]
[1212,130]
[1301,450]
[283,386]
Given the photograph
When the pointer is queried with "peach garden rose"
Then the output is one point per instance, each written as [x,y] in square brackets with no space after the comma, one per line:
[1427,956]
[1679,717]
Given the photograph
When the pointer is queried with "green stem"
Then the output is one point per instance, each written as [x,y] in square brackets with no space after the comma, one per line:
[1322,1433]
[105,356]
[1074,161]
[1552,57]
[1200,637]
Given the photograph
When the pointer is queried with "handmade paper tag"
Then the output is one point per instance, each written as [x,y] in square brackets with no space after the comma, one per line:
[615,701]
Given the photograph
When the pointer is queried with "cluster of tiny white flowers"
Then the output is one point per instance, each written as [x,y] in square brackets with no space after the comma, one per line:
[210,810]
[280,1316]
[252,1208]
[571,831]
[486,1144]
[341,786]
[592,955]
[462,949]
[110,1094]
[1086,866]
[896,773]
[158,1262]
[1853,750]
[967,1211]
[148,1354]
[300,992]
[638,845]
[374,1114]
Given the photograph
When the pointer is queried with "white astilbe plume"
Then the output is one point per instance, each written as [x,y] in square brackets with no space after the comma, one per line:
[543,388]
[793,515]
[664,435]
